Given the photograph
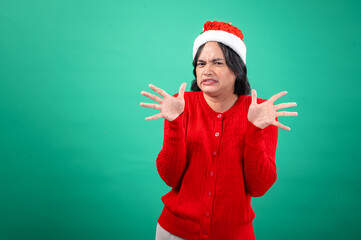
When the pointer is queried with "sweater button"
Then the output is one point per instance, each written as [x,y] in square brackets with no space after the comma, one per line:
[217,134]
[219,115]
[211,173]
[214,153]
[210,193]
[208,214]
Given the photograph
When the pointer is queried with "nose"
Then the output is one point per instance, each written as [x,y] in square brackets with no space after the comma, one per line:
[208,69]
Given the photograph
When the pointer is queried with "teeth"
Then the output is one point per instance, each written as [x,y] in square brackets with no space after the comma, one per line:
[209,81]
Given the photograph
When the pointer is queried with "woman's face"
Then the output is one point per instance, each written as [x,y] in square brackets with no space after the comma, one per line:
[214,77]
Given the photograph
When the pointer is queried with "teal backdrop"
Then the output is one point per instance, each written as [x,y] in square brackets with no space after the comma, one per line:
[77,157]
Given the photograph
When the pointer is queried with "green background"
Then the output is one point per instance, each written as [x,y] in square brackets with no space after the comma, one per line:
[78,158]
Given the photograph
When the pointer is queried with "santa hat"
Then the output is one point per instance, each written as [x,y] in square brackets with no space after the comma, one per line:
[224,33]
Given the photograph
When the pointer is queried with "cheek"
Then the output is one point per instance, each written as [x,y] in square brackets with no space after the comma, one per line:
[197,77]
[198,73]
[230,75]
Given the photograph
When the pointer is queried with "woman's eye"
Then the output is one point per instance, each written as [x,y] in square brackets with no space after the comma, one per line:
[218,63]
[200,64]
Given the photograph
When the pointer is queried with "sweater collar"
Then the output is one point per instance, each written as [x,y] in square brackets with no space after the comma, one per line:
[213,114]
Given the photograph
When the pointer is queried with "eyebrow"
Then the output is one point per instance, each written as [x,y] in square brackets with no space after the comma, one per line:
[214,60]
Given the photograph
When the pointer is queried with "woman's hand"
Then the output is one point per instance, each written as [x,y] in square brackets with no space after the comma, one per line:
[170,107]
[264,114]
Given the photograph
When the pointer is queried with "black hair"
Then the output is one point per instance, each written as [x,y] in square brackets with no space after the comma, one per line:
[234,62]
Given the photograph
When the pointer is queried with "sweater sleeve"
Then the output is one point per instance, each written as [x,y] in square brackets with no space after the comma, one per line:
[259,159]
[171,160]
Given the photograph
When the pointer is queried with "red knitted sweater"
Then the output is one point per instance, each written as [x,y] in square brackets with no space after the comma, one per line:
[214,162]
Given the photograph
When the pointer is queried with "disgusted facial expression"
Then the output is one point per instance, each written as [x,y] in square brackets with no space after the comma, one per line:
[214,77]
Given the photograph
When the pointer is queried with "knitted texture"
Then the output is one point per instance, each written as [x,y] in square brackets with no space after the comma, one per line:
[222,26]
[214,162]
[222,32]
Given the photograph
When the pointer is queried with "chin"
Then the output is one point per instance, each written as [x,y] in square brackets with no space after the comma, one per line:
[210,92]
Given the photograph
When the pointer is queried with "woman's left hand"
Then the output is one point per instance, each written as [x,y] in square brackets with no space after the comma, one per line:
[264,114]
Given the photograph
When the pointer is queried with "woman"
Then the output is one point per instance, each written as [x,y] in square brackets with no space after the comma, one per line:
[219,144]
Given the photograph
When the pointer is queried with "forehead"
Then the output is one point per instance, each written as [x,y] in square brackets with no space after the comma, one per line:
[211,50]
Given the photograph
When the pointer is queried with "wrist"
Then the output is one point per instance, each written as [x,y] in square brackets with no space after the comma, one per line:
[253,134]
[258,124]
[174,117]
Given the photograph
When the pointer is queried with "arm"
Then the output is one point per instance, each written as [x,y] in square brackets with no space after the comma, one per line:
[261,142]
[259,159]
[171,160]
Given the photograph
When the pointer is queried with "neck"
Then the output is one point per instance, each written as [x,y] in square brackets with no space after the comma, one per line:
[220,103]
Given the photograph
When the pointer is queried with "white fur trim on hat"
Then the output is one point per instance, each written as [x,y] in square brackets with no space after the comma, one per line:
[226,38]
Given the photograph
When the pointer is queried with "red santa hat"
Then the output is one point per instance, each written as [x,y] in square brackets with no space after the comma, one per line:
[224,33]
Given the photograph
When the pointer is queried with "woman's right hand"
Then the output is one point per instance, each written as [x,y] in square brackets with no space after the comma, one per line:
[170,107]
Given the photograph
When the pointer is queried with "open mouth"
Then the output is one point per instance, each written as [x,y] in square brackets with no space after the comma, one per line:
[209,81]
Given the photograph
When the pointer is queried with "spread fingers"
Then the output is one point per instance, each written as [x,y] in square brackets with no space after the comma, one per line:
[150,105]
[282,114]
[285,105]
[277,96]
[156,116]
[151,96]
[280,125]
[158,90]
